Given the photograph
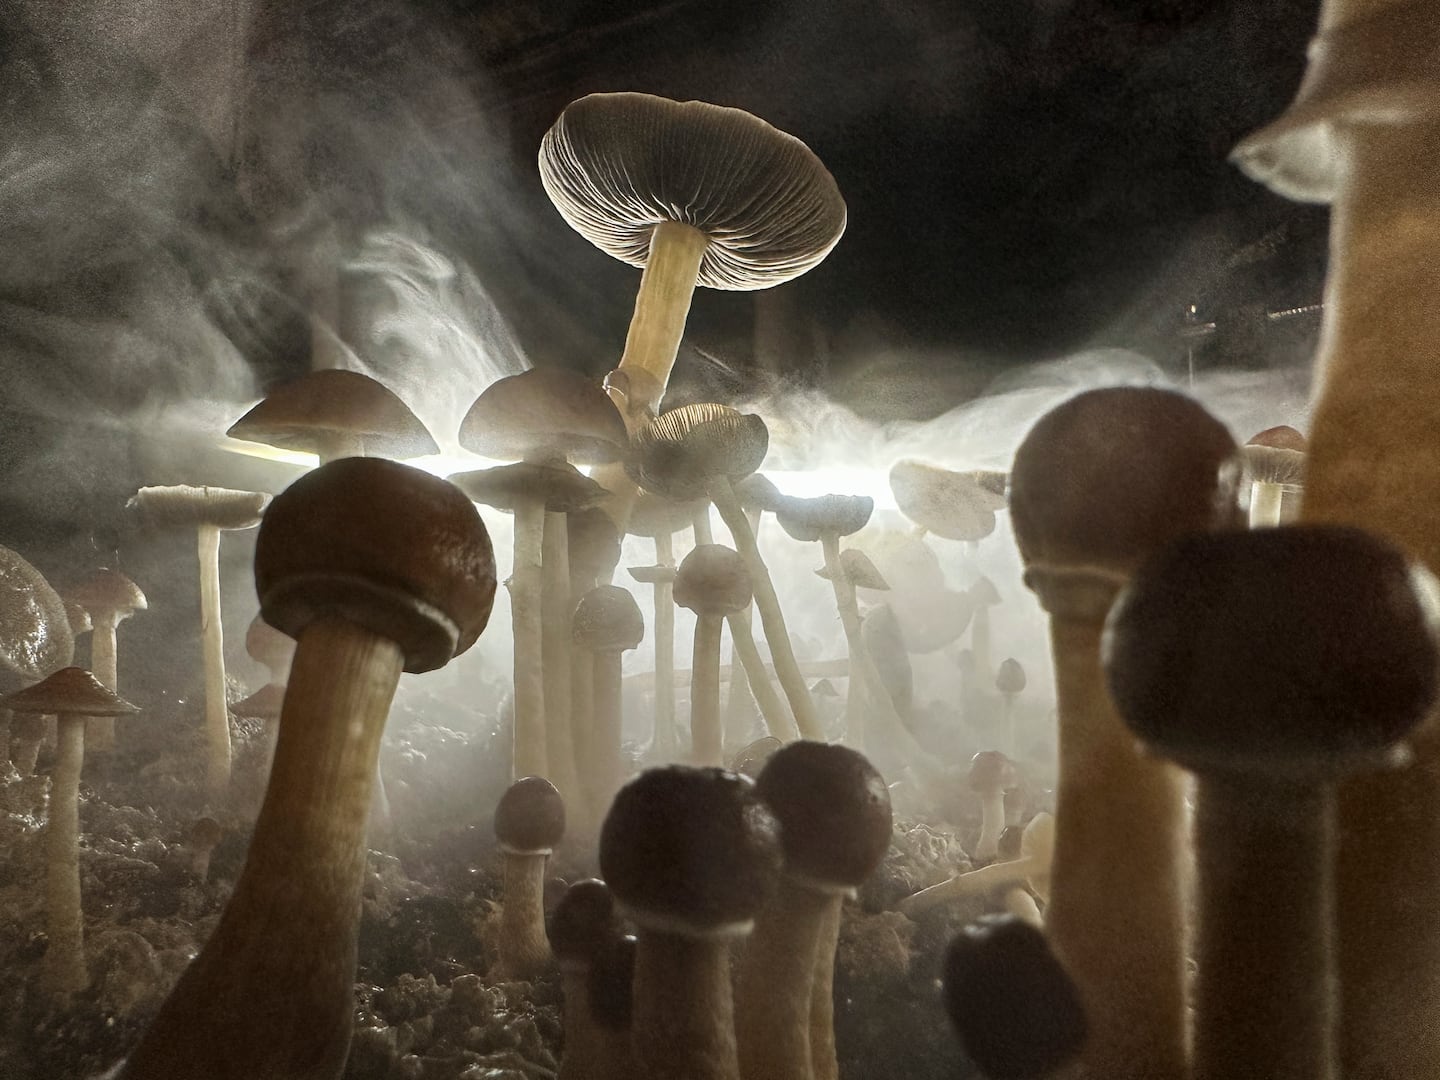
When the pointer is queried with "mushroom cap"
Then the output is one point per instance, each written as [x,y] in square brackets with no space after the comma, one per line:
[594,545]
[78,618]
[564,488]
[35,636]
[109,591]
[307,413]
[1014,1007]
[689,850]
[186,505]
[752,757]
[990,770]
[655,515]
[266,645]
[1273,464]
[1282,437]
[205,833]
[71,691]
[679,453]
[856,568]
[610,983]
[758,492]
[1010,678]
[982,592]
[1295,652]
[653,575]
[607,619]
[616,165]
[388,547]
[530,817]
[1109,476]
[833,808]
[264,704]
[713,580]
[954,505]
[549,412]
[583,921]
[808,520]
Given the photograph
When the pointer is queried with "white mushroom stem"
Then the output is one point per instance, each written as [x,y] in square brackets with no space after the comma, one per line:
[524,948]
[529,758]
[822,997]
[100,730]
[705,736]
[64,971]
[664,593]
[556,650]
[1265,501]
[738,694]
[778,720]
[683,1022]
[992,823]
[977,883]
[704,534]
[1021,904]
[607,722]
[212,645]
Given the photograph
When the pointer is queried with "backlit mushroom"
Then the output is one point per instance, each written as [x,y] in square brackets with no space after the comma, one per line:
[594,550]
[955,505]
[529,822]
[1274,460]
[607,623]
[583,927]
[757,495]
[713,583]
[365,595]
[275,652]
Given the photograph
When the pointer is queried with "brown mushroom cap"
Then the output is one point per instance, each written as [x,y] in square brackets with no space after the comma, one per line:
[583,921]
[1275,456]
[1282,437]
[713,580]
[833,808]
[564,487]
[617,165]
[688,849]
[608,619]
[185,505]
[679,453]
[949,504]
[391,548]
[71,691]
[305,414]
[1010,678]
[35,636]
[990,770]
[530,817]
[550,412]
[109,591]
[808,520]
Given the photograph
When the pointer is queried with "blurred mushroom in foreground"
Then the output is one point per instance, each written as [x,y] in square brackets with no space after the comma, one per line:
[582,929]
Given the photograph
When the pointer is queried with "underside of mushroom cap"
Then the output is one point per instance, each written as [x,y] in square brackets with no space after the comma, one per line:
[607,619]
[758,492]
[617,165]
[108,590]
[1273,464]
[713,580]
[653,575]
[680,452]
[655,515]
[564,488]
[808,520]
[73,691]
[530,817]
[35,636]
[185,505]
[949,504]
[545,411]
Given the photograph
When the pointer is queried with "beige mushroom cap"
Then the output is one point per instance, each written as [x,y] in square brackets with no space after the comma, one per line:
[607,619]
[617,165]
[955,505]
[71,691]
[713,580]
[182,504]
[548,411]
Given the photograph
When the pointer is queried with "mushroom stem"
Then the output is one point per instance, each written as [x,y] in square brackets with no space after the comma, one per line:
[607,723]
[778,720]
[1265,504]
[974,883]
[704,534]
[526,623]
[822,997]
[293,919]
[65,971]
[524,948]
[100,730]
[705,735]
[556,658]
[738,694]
[591,1052]
[664,652]
[212,644]
[768,605]
[992,823]
[684,1014]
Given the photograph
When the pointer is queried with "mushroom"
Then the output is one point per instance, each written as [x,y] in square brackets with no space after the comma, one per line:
[713,583]
[955,505]
[529,822]
[583,930]
[991,775]
[110,598]
[607,622]
[1271,664]
[983,595]
[273,651]
[365,595]
[757,494]
[1030,869]
[70,694]
[594,549]
[610,986]
[1010,681]
[1099,483]
[834,815]
[208,510]
[700,450]
[1274,460]
[204,837]
[691,855]
[752,758]
[1016,1010]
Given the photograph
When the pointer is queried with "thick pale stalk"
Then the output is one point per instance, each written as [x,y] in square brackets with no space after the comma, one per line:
[1265,504]
[700,526]
[524,948]
[526,624]
[608,713]
[100,730]
[556,648]
[1265,991]
[738,696]
[664,592]
[778,720]
[283,955]
[822,997]
[705,736]
[684,1015]
[212,645]
[992,824]
[64,971]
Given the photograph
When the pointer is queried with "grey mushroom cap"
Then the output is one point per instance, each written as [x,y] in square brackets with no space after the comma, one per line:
[108,590]
[617,165]
[713,580]
[758,492]
[564,488]
[70,691]
[184,505]
[654,515]
[608,619]
[545,411]
[808,520]
[679,453]
[946,503]
[1010,678]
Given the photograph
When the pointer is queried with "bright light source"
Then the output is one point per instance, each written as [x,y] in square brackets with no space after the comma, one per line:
[836,480]
[269,453]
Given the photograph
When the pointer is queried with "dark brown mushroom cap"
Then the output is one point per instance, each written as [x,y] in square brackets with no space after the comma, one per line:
[583,921]
[653,575]
[752,757]
[264,704]
[1282,437]
[616,165]
[833,808]
[185,505]
[1013,1005]
[1297,652]
[679,453]
[268,646]
[607,619]
[205,833]
[308,413]
[1111,475]
[530,817]
[808,520]
[1010,678]
[71,691]
[594,545]
[990,770]
[758,492]
[564,488]
[549,412]
[690,850]
[949,504]
[109,591]
[857,569]
[35,636]
[654,515]
[610,983]
[388,547]
[713,580]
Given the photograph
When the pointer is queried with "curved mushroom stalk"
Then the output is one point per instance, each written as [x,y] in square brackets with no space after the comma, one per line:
[773,711]
[1031,869]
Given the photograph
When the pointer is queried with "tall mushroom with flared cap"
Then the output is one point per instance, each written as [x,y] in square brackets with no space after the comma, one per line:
[110,598]
[1086,513]
[713,583]
[607,623]
[71,694]
[365,595]
[1269,720]
[208,510]
[529,822]
[691,856]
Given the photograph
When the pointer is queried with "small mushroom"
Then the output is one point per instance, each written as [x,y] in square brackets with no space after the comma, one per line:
[274,651]
[991,775]
[1010,681]
[204,837]
[529,822]
[1029,869]
[584,930]
[955,505]
[713,583]
[1274,460]
[607,622]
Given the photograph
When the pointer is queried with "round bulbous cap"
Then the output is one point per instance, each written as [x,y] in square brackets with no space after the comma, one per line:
[690,851]
[713,580]
[35,636]
[809,520]
[1010,678]
[183,504]
[679,453]
[1281,437]
[530,817]
[617,165]
[545,412]
[385,546]
[1110,476]
[608,619]
[833,808]
[1299,652]
[990,770]
[955,505]
[610,983]
[583,921]
[1016,1010]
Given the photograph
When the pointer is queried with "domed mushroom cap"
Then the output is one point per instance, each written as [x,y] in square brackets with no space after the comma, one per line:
[824,515]
[1281,437]
[71,691]
[713,580]
[307,414]
[1275,456]
[689,850]
[949,504]
[679,453]
[35,637]
[564,488]
[834,812]
[990,770]
[390,548]
[530,817]
[1014,1007]
[545,411]
[185,505]
[608,619]
[616,165]
[610,983]
[583,921]
[1010,678]
[1109,476]
[1299,652]
[109,591]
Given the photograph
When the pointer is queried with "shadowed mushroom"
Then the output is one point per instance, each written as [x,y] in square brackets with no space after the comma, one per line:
[584,927]
[991,775]
[71,694]
[1274,460]
[1222,656]
[1010,681]
[110,598]
[611,989]
[1085,515]
[273,651]
[713,583]
[365,595]
[529,822]
[690,855]
[607,622]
